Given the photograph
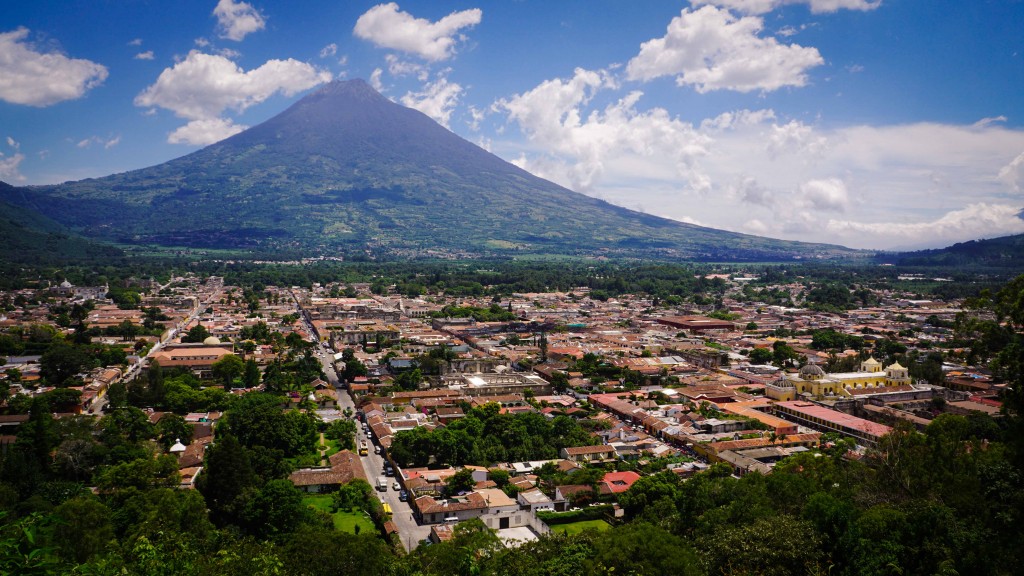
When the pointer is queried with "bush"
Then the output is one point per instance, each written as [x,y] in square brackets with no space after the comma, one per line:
[588,513]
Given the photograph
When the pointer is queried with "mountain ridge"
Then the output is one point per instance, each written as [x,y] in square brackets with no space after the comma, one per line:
[344,168]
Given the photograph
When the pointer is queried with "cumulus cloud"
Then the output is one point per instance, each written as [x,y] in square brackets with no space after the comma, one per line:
[1013,173]
[753,171]
[579,147]
[205,132]
[375,81]
[825,195]
[9,164]
[236,20]
[147,55]
[816,6]
[437,99]
[710,49]
[203,86]
[388,27]
[34,78]
[972,222]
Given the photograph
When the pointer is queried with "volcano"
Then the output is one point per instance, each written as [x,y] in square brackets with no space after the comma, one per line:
[346,170]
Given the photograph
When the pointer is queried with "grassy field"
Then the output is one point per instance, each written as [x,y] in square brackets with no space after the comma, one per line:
[344,520]
[577,527]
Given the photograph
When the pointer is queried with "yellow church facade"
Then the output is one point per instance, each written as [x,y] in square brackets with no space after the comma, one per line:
[813,381]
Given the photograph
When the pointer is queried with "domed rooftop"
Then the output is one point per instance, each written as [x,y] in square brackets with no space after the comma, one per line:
[871,361]
[211,341]
[811,370]
[895,366]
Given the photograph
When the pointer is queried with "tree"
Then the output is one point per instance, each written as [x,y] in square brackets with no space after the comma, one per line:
[344,431]
[461,481]
[761,356]
[155,383]
[227,369]
[196,334]
[276,509]
[227,474]
[251,376]
[61,362]
[173,428]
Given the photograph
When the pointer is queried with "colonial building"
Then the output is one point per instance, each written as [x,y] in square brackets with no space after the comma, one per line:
[812,381]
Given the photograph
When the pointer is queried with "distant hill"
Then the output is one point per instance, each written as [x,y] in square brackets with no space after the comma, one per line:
[1004,252]
[345,169]
[30,238]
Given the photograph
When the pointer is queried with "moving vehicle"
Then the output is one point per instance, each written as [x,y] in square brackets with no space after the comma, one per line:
[362,448]
[382,483]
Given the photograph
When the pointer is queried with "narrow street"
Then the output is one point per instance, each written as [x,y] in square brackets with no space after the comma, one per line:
[410,532]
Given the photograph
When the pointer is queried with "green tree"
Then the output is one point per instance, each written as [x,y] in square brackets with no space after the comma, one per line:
[461,481]
[761,356]
[227,475]
[196,334]
[61,362]
[227,369]
[251,376]
[156,390]
[83,528]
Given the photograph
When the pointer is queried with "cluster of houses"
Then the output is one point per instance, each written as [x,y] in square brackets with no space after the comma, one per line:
[700,399]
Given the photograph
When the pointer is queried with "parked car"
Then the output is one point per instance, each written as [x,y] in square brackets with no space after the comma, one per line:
[395,486]
[403,495]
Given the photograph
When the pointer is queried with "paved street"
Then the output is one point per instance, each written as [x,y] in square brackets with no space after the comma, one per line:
[410,532]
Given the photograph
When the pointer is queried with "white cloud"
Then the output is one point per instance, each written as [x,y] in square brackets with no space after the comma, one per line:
[135,42]
[236,20]
[375,80]
[107,143]
[205,132]
[9,164]
[1013,173]
[147,55]
[42,79]
[974,221]
[437,100]
[329,50]
[386,26]
[399,67]
[862,186]
[9,167]
[986,122]
[816,6]
[579,147]
[203,86]
[824,195]
[711,49]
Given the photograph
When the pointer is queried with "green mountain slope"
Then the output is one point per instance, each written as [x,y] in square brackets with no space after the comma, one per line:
[1003,252]
[30,238]
[347,169]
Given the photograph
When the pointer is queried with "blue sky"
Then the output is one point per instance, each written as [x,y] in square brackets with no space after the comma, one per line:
[869,123]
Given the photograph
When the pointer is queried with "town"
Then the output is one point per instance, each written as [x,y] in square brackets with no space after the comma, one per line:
[408,416]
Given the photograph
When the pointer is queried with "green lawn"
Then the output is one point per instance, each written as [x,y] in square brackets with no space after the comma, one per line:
[577,527]
[344,520]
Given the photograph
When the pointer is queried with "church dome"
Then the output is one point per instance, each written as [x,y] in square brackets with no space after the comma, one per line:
[211,341]
[811,370]
[895,366]
[871,362]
